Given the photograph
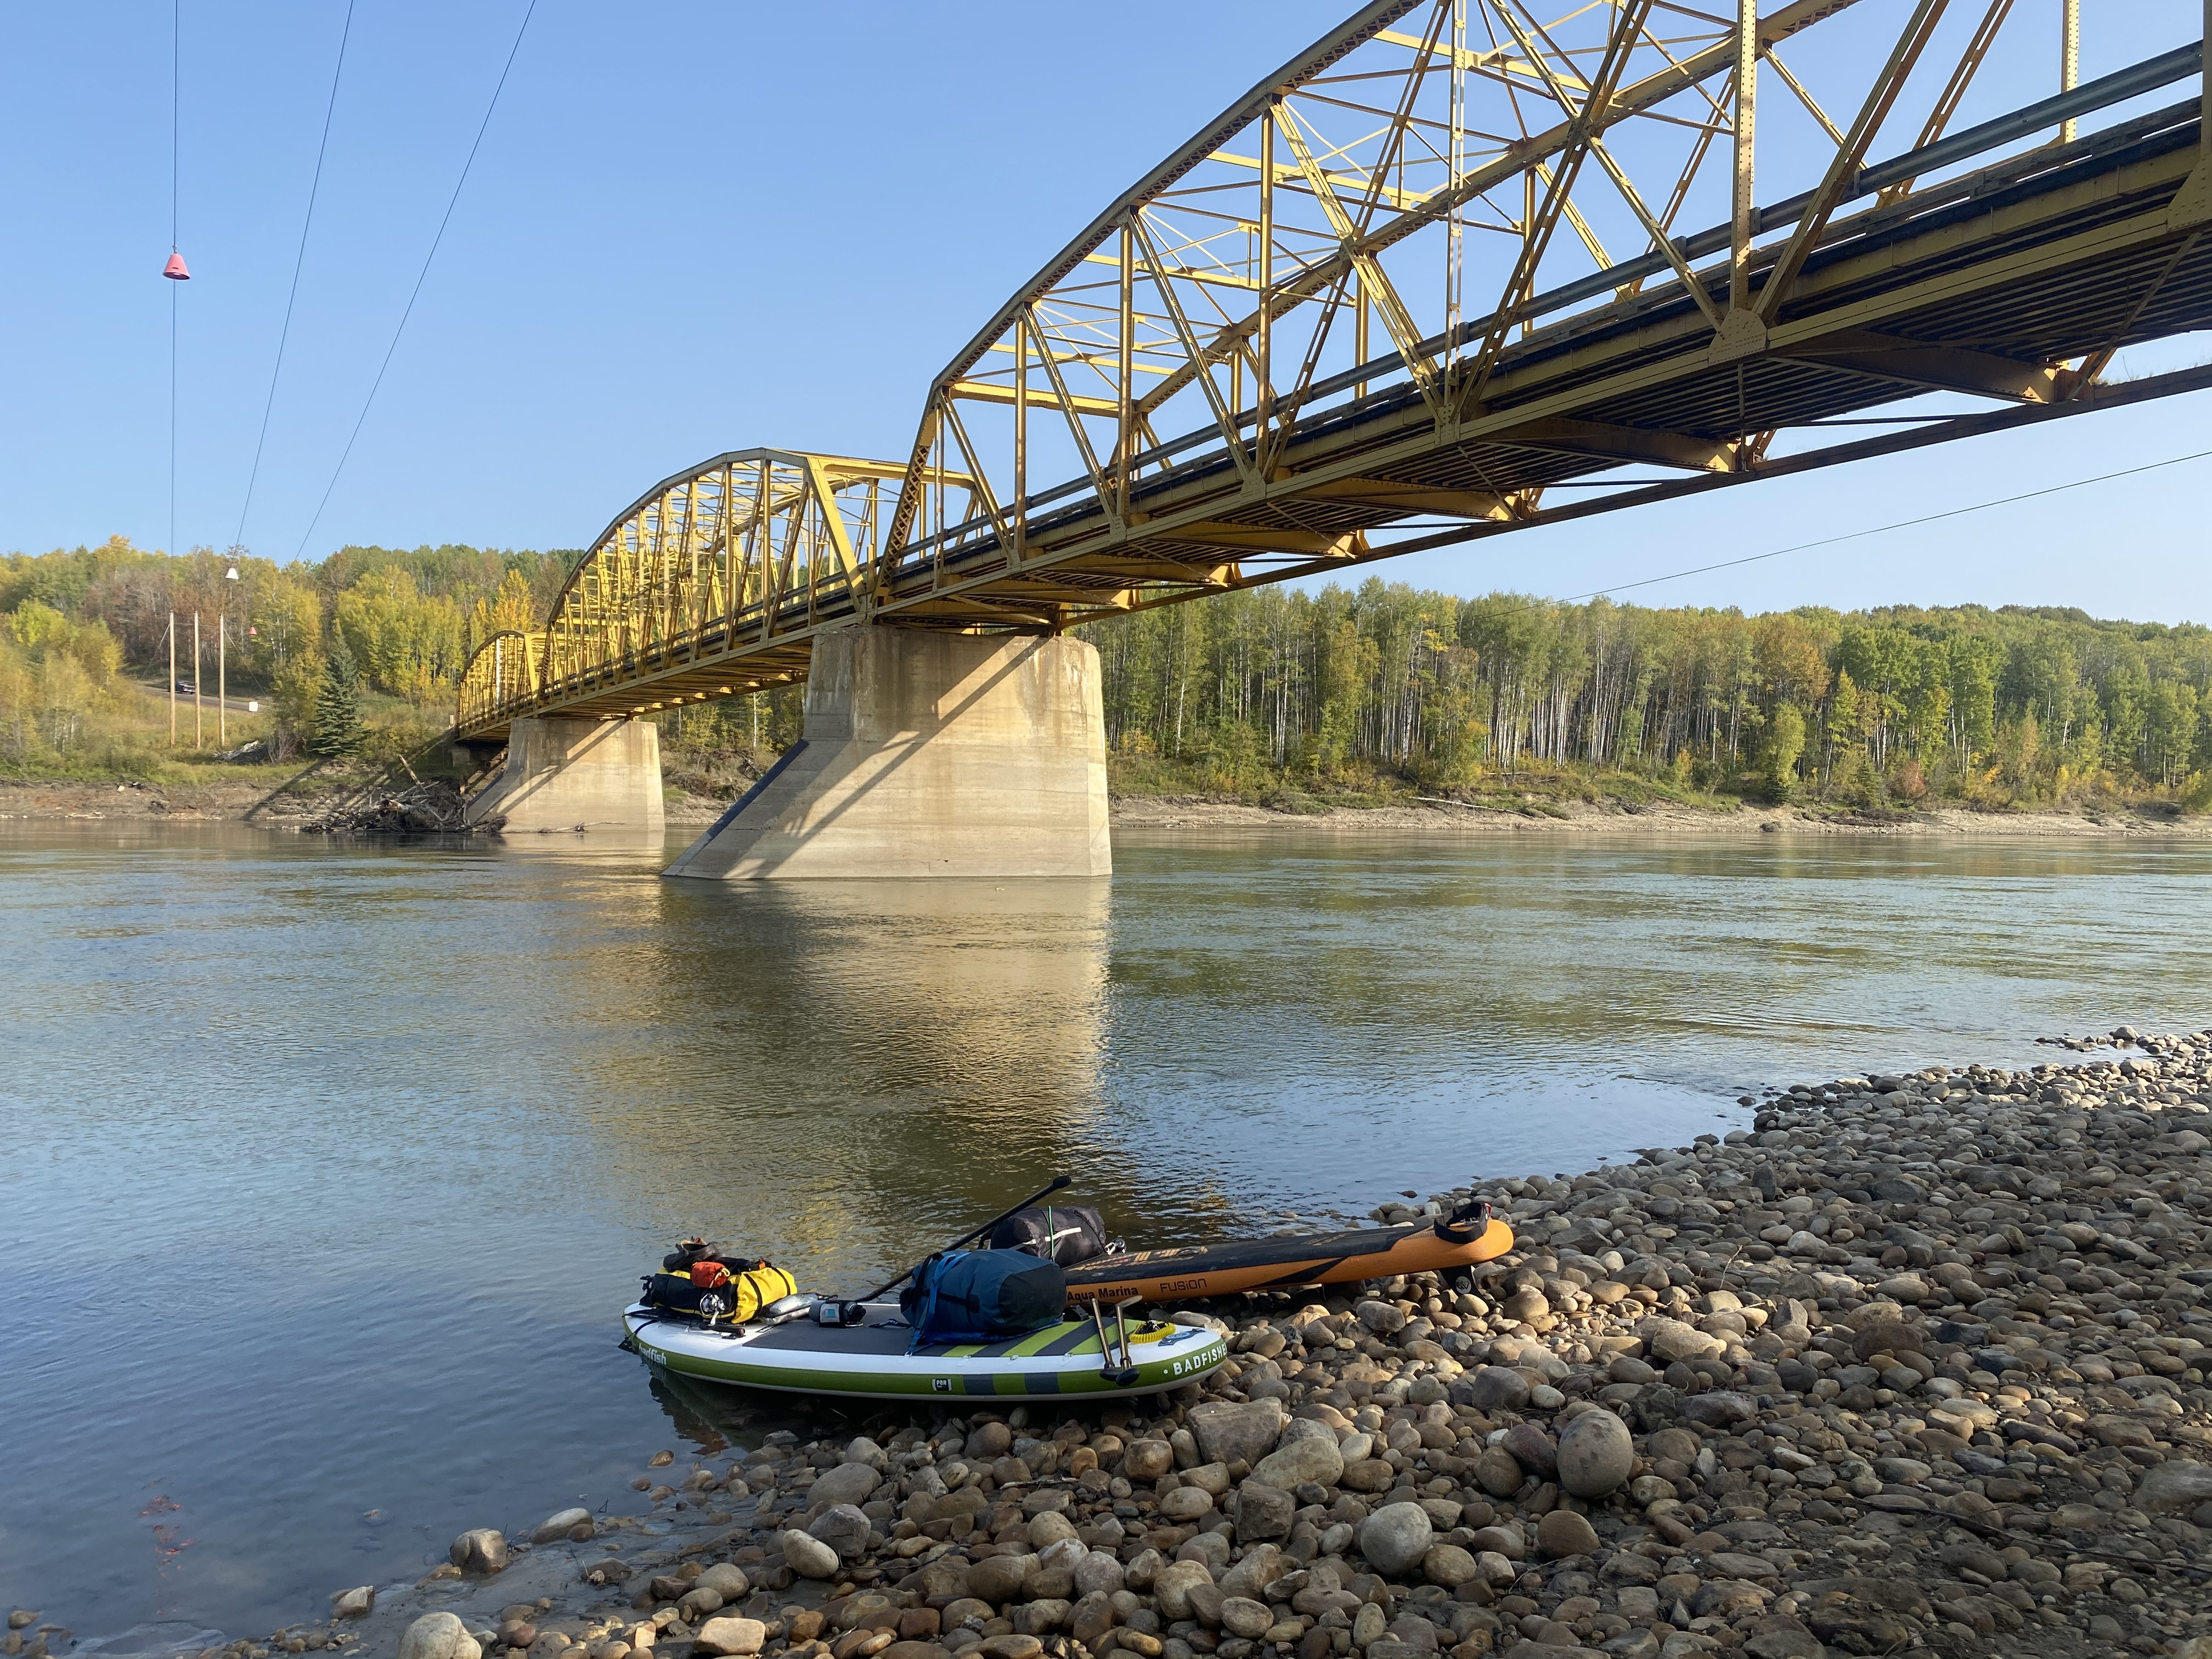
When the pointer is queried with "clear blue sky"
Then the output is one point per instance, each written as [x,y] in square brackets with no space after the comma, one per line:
[697,227]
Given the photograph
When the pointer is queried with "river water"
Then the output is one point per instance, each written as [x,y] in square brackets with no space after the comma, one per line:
[325,1169]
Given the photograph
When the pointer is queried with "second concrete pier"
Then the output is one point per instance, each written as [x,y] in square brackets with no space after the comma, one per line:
[928,754]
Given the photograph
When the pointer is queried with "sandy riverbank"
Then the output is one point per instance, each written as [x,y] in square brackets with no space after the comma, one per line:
[1915,1362]
[1153,812]
[254,802]
[265,803]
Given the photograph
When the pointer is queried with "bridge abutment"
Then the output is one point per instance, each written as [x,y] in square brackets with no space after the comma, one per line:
[928,754]
[572,774]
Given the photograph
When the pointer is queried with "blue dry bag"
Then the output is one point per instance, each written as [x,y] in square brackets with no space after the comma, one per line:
[981,1295]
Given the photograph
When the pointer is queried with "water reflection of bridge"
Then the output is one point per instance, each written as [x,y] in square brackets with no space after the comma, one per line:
[788,1093]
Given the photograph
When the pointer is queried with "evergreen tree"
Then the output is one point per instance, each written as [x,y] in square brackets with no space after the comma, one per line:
[337,707]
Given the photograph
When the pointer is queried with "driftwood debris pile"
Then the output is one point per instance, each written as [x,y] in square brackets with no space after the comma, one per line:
[433,808]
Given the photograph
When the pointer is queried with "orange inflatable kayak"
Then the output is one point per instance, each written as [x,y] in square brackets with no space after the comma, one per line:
[1468,1236]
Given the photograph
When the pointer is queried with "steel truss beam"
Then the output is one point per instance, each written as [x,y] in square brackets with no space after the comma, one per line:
[1395,190]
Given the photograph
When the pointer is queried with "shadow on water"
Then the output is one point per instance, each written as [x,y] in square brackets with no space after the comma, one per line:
[875,1058]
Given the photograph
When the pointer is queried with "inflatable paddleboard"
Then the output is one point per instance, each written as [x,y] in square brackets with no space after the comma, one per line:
[1469,1235]
[869,1358]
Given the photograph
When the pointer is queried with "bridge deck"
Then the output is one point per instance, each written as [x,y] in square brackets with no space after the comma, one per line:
[1986,285]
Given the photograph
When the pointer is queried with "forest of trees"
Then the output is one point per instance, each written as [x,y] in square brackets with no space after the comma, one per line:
[1885,707]
[1262,694]
[79,619]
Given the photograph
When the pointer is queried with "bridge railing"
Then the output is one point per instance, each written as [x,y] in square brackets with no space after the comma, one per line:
[746,549]
[500,678]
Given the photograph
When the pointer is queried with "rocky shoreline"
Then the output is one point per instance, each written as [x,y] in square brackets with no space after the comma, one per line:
[270,807]
[1916,1362]
[1657,820]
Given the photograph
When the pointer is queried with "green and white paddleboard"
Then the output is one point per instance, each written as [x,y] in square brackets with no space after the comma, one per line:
[871,1358]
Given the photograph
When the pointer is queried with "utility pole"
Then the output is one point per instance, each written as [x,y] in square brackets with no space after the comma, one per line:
[195,679]
[222,679]
[172,679]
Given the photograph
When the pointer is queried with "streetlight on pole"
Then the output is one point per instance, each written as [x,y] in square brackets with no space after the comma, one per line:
[222,679]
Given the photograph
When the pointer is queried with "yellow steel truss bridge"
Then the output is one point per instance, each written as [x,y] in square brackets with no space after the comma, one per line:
[1462,268]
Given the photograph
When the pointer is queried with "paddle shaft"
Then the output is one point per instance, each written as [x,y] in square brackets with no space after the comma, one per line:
[1046,1191]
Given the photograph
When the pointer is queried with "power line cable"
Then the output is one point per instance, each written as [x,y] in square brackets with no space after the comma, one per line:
[1875,530]
[176,89]
[415,293]
[284,334]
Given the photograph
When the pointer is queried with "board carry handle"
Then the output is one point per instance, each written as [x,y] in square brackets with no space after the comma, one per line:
[1464,1224]
[1120,1375]
[1046,1191]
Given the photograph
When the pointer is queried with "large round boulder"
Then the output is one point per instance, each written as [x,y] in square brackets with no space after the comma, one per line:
[848,1483]
[726,1579]
[1048,1529]
[1596,1453]
[1670,1340]
[575,1523]
[1533,1450]
[1263,1511]
[844,1528]
[1241,1616]
[808,1557]
[1495,1472]
[480,1552]
[1722,1409]
[1450,1565]
[1395,1537]
[1228,1432]
[1564,1533]
[2175,1485]
[721,1638]
[1148,1460]
[1308,1458]
[1000,1578]
[438,1636]
[1174,1584]
[1496,1387]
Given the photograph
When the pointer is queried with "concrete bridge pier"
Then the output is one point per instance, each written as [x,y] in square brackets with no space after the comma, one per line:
[576,773]
[928,754]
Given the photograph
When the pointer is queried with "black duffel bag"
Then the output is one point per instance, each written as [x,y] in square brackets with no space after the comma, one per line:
[981,1295]
[1066,1233]
[714,1289]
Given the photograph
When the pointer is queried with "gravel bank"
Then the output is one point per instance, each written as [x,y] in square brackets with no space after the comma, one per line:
[1917,1362]
[1658,820]
[255,803]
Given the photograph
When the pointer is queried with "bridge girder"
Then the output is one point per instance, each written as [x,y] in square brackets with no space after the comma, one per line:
[1375,291]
